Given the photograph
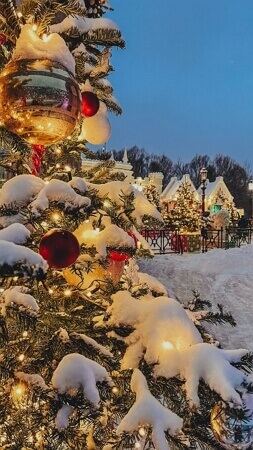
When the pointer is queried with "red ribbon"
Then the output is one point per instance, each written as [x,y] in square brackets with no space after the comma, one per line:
[38,152]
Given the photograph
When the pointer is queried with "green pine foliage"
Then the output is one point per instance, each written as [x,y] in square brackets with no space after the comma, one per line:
[185,214]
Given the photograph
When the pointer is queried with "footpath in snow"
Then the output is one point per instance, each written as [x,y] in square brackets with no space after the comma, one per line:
[220,276]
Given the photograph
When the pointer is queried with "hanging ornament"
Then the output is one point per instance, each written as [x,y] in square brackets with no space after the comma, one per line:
[90,104]
[3,39]
[60,248]
[39,100]
[230,432]
[37,153]
[96,130]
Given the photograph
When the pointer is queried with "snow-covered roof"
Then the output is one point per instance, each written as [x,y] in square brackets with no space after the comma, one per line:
[174,185]
[213,187]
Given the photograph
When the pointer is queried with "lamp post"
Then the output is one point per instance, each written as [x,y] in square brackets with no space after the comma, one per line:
[250,186]
[203,178]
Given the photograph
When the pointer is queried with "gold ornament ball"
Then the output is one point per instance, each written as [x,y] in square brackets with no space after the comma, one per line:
[40,100]
[230,432]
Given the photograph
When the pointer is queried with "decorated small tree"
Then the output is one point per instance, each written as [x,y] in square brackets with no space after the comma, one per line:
[150,191]
[94,354]
[185,216]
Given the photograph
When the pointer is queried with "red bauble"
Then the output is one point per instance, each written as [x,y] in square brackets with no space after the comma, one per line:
[60,248]
[3,39]
[114,255]
[90,104]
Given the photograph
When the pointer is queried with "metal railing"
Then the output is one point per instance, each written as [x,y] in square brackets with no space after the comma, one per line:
[165,241]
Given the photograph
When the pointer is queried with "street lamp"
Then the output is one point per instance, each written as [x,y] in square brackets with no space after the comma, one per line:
[203,178]
[250,186]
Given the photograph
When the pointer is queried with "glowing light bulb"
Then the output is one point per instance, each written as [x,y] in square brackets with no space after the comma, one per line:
[58,151]
[19,390]
[57,166]
[106,204]
[137,445]
[56,217]
[89,294]
[15,278]
[142,432]
[167,345]
[50,291]
[19,14]
[68,168]
[21,357]
[115,390]
[87,220]
[45,37]
[1,289]
[67,292]
[25,334]
[34,27]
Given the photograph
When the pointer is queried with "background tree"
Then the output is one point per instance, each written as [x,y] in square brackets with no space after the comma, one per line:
[185,216]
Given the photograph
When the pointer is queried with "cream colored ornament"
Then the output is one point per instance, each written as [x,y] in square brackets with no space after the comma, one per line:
[96,129]
[97,277]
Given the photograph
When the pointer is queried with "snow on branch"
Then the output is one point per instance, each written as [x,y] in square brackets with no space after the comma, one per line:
[76,371]
[61,192]
[19,295]
[166,337]
[148,411]
[16,233]
[18,259]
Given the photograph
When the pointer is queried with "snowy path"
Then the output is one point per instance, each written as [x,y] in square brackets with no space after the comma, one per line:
[221,276]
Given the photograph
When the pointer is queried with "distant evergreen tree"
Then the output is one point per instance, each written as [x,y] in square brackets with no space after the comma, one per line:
[186,214]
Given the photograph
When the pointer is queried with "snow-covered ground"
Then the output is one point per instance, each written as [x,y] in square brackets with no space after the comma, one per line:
[220,276]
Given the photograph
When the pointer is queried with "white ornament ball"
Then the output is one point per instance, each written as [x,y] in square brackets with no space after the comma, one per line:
[96,130]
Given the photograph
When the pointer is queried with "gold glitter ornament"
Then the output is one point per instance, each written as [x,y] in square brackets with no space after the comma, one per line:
[40,100]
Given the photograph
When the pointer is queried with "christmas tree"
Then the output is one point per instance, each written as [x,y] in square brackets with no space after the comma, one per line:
[185,216]
[150,191]
[94,354]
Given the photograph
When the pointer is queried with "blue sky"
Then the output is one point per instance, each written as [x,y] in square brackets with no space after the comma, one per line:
[185,79]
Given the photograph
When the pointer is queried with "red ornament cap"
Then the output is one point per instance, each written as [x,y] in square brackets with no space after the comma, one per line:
[60,248]
[114,255]
[90,104]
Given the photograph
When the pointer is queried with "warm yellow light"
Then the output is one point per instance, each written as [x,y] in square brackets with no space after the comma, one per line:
[89,294]
[1,289]
[97,230]
[19,14]
[67,292]
[56,217]
[50,291]
[58,151]
[167,345]
[45,37]
[68,168]
[115,390]
[57,166]
[21,357]
[15,278]
[19,390]
[25,334]
[142,432]
[34,27]
[106,204]
[137,445]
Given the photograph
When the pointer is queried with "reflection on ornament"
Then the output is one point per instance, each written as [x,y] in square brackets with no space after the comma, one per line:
[3,39]
[231,433]
[90,104]
[96,130]
[39,100]
[60,248]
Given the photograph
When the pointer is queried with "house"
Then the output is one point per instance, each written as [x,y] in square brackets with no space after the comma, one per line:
[217,195]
